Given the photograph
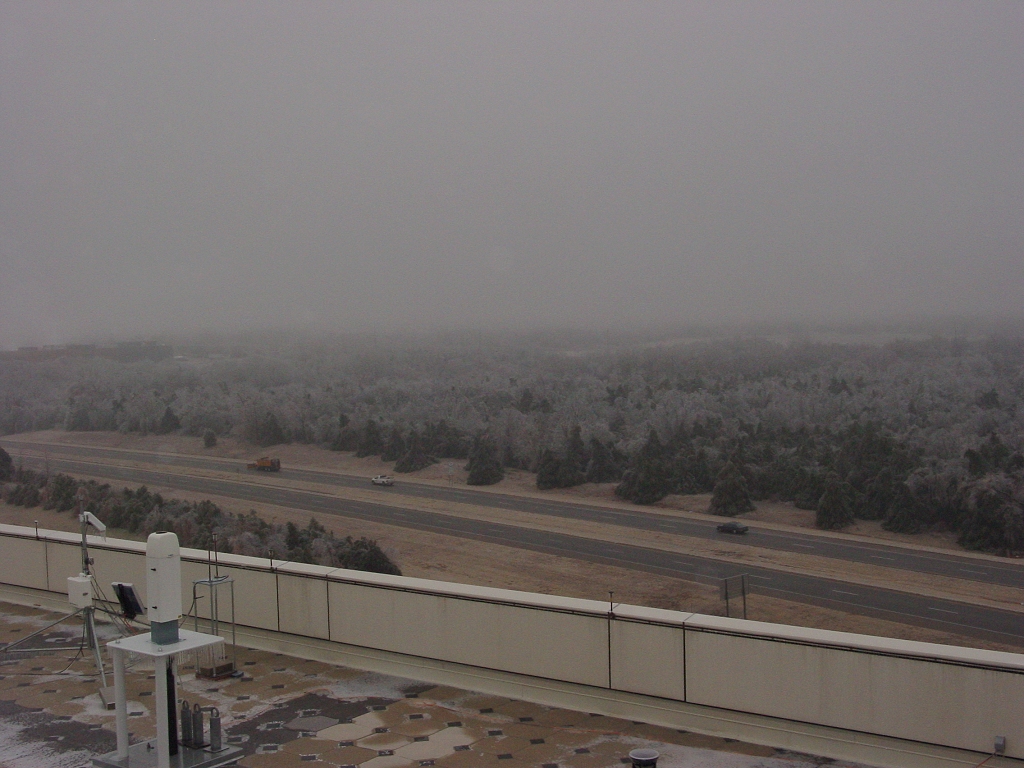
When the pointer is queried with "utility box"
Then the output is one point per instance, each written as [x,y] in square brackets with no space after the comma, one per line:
[80,591]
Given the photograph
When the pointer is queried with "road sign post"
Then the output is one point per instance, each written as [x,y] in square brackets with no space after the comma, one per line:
[732,587]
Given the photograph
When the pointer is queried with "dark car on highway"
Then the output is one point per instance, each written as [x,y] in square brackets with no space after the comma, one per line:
[732,527]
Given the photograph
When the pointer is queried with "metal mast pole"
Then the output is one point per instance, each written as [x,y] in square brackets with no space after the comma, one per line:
[89,612]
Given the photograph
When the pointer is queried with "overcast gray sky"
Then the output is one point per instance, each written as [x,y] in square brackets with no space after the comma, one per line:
[174,166]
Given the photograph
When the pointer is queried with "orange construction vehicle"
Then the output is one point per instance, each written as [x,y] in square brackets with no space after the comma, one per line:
[265,464]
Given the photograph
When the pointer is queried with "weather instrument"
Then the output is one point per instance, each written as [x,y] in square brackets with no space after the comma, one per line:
[81,594]
[163,644]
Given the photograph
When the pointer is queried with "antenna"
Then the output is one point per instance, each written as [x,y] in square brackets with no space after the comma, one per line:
[95,522]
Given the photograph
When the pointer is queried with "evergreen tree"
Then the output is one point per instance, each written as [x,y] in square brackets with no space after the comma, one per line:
[571,472]
[941,494]
[690,473]
[395,448]
[61,493]
[880,494]
[994,515]
[169,422]
[548,470]
[78,419]
[365,555]
[268,430]
[648,480]
[484,467]
[602,468]
[834,507]
[209,438]
[25,495]
[653,449]
[347,438]
[415,457]
[292,539]
[371,443]
[510,459]
[873,463]
[6,465]
[904,513]
[810,487]
[730,496]
[445,441]
[991,456]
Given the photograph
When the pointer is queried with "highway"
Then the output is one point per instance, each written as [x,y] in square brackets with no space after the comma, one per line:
[1008,573]
[953,616]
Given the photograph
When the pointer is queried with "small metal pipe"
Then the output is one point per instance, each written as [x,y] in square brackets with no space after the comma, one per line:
[198,728]
[186,723]
[216,741]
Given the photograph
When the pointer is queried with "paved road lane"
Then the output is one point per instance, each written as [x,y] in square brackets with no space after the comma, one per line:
[1008,573]
[944,614]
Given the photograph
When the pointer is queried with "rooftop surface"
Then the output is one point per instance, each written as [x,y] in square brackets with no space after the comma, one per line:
[286,712]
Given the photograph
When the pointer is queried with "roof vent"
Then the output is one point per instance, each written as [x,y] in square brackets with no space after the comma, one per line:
[644,758]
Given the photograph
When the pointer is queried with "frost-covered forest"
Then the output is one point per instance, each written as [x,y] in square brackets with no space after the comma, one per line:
[918,433]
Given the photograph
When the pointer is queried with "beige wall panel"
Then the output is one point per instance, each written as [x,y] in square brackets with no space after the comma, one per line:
[648,658]
[24,563]
[113,565]
[255,597]
[62,561]
[192,571]
[255,594]
[303,602]
[918,699]
[518,639]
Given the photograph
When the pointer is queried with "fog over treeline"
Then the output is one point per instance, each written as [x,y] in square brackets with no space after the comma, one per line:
[921,432]
[173,167]
[359,225]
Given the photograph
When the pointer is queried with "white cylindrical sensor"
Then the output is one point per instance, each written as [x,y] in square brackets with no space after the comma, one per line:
[163,577]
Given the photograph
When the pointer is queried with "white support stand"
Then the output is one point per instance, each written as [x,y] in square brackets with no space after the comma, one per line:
[144,755]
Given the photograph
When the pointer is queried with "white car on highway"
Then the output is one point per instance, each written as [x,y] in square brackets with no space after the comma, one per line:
[383,480]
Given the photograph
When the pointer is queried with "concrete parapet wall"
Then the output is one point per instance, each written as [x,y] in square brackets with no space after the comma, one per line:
[917,692]
[549,642]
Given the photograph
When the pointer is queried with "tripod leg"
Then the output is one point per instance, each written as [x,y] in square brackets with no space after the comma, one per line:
[91,632]
[40,631]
